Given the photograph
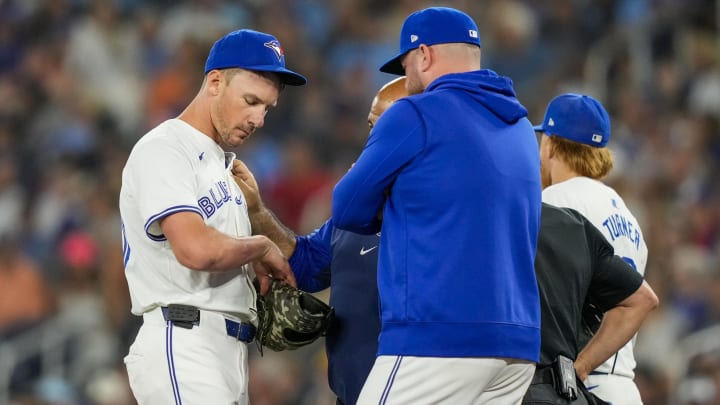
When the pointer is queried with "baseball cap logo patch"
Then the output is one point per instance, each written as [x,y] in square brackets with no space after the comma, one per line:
[275,46]
[413,38]
[551,122]
[473,33]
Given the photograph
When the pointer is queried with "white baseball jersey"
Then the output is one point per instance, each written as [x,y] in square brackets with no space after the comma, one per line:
[607,211]
[175,168]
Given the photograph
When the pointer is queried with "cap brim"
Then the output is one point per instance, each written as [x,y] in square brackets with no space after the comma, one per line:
[539,128]
[291,78]
[394,66]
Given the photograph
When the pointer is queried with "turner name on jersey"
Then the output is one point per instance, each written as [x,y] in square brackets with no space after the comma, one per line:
[617,226]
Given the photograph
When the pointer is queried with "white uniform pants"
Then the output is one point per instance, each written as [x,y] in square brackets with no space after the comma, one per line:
[613,388]
[169,365]
[396,380]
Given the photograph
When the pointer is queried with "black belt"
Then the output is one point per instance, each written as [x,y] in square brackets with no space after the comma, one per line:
[543,375]
[186,316]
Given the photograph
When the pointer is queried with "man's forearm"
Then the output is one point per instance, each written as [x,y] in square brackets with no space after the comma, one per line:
[264,222]
[618,326]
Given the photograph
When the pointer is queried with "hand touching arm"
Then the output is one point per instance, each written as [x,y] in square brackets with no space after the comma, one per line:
[262,220]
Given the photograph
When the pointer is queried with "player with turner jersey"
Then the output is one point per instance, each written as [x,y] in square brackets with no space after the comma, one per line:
[573,155]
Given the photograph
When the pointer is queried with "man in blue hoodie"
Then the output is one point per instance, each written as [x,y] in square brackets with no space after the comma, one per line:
[454,172]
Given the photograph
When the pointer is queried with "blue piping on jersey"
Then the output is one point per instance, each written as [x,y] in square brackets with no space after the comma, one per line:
[391,380]
[126,246]
[171,362]
[165,213]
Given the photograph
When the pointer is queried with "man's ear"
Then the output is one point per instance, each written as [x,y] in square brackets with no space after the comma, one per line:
[426,56]
[213,80]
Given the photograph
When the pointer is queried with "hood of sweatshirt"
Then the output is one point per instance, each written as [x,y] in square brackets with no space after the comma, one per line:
[493,91]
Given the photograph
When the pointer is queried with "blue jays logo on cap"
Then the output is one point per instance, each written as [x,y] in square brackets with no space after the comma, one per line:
[577,117]
[275,46]
[252,50]
[432,26]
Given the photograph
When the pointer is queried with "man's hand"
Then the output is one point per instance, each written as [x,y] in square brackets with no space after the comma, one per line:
[263,221]
[247,183]
[273,266]
[582,370]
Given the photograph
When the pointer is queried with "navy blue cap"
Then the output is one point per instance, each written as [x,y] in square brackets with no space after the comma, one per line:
[432,26]
[252,50]
[577,117]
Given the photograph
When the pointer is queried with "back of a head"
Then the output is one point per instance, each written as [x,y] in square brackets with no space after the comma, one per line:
[579,127]
[385,97]
[577,117]
[433,26]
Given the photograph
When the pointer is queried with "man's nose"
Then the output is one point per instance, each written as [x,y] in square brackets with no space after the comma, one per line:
[257,119]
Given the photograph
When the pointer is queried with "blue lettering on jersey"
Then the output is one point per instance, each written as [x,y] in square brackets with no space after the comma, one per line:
[618,226]
[219,195]
[207,206]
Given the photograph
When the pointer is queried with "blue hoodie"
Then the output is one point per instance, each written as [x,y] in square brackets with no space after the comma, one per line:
[456,173]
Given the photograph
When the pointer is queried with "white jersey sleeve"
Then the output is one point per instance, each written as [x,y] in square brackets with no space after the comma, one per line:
[164,182]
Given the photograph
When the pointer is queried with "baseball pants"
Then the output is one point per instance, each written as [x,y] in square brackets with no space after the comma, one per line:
[616,389]
[170,365]
[438,380]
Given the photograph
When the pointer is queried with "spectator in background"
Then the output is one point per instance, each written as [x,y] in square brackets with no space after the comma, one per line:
[104,56]
[12,194]
[25,296]
[300,176]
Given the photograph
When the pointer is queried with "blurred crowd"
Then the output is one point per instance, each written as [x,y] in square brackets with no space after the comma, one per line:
[82,80]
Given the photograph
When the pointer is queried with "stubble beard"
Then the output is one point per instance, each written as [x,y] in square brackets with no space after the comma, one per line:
[414,87]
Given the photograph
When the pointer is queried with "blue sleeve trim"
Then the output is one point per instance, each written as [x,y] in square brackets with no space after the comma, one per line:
[165,213]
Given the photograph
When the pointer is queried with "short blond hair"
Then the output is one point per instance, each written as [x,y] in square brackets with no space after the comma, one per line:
[584,160]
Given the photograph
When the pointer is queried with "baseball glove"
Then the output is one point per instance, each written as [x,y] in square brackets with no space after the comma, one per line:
[289,318]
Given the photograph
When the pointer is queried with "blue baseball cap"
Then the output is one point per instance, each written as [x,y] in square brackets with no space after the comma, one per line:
[577,117]
[432,26]
[252,50]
